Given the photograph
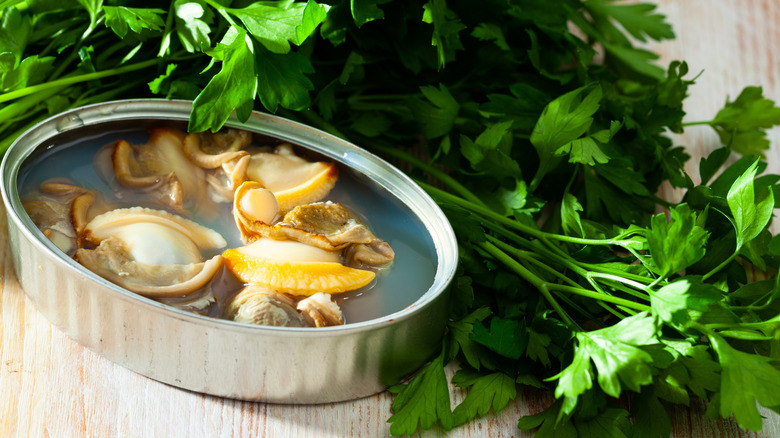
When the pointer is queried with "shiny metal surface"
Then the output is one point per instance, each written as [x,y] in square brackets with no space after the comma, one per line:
[218,357]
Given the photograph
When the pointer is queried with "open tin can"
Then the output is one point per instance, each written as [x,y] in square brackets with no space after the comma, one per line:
[404,323]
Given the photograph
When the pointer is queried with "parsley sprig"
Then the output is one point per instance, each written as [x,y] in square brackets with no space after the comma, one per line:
[541,129]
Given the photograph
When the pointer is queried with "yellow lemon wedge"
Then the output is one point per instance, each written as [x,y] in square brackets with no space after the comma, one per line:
[314,271]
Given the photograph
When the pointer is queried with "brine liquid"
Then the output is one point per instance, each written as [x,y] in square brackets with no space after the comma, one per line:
[397,287]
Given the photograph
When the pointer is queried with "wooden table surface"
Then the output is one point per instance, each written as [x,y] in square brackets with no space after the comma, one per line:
[51,386]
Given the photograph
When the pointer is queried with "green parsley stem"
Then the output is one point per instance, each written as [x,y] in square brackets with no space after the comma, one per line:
[165,41]
[31,121]
[638,279]
[597,296]
[580,309]
[537,179]
[76,79]
[223,10]
[661,201]
[720,266]
[703,329]
[618,274]
[490,214]
[107,55]
[109,94]
[582,241]
[564,260]
[528,256]
[436,173]
[521,270]
[62,65]
[515,252]
[549,251]
[641,259]
[317,121]
[590,272]
[478,207]
[508,249]
[773,323]
[701,122]
[767,298]
[614,311]
[618,280]
[22,106]
[656,282]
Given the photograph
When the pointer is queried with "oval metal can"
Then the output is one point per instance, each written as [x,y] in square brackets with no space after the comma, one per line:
[215,356]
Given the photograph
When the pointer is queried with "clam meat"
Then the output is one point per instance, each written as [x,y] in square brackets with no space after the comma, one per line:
[292,179]
[327,225]
[223,158]
[319,310]
[211,151]
[161,168]
[259,305]
[255,210]
[263,306]
[60,209]
[151,252]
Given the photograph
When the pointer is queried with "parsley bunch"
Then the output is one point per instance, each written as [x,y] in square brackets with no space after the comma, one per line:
[542,129]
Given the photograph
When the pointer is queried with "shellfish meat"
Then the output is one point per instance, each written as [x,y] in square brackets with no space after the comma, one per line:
[151,252]
[259,305]
[292,179]
[263,306]
[327,225]
[60,210]
[319,310]
[161,167]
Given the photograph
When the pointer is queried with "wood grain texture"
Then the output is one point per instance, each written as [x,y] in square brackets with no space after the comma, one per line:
[52,387]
